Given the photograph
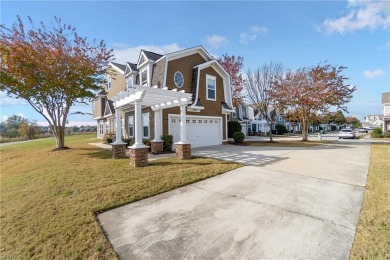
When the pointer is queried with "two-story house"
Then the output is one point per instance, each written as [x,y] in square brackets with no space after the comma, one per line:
[243,113]
[163,85]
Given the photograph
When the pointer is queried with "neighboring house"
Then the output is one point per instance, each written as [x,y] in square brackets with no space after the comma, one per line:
[373,121]
[192,72]
[260,126]
[244,115]
[386,111]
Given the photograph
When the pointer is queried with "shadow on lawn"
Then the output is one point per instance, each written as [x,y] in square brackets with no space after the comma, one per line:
[96,153]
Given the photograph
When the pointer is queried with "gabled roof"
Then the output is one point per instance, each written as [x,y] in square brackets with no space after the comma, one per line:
[109,110]
[130,67]
[147,56]
[185,52]
[121,67]
[152,55]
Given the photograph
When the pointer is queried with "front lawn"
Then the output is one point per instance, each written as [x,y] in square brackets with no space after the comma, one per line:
[372,240]
[49,199]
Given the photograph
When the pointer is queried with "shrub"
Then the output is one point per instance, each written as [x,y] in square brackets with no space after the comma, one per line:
[373,135]
[238,137]
[128,141]
[377,130]
[280,129]
[168,141]
[108,137]
[233,127]
[146,142]
[333,128]
[387,135]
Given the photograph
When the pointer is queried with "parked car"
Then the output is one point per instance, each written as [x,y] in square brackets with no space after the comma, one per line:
[346,133]
[363,130]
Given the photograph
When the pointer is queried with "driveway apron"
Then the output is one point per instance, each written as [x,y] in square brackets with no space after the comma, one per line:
[295,203]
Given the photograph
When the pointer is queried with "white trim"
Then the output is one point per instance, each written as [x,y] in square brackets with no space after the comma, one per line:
[116,68]
[108,82]
[128,126]
[142,119]
[208,117]
[207,87]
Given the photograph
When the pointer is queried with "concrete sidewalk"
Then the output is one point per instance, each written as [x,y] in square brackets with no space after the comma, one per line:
[303,204]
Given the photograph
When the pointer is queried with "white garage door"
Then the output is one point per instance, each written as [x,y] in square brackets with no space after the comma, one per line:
[201,131]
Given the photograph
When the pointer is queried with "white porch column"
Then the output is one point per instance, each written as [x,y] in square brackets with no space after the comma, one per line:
[118,134]
[138,125]
[157,125]
[183,125]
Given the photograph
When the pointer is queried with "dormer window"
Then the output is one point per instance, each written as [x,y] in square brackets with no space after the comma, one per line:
[129,83]
[108,82]
[144,77]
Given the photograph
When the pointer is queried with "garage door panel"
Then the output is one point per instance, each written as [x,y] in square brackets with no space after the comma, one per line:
[201,131]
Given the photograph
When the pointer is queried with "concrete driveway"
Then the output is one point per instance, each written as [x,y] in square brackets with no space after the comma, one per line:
[295,203]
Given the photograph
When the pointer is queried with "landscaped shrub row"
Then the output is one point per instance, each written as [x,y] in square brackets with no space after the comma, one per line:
[238,137]
[168,142]
[377,133]
[233,127]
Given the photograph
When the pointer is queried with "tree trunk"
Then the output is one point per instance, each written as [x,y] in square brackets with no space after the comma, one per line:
[270,131]
[59,135]
[305,130]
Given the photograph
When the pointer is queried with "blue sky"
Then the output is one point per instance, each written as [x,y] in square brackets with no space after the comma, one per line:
[355,34]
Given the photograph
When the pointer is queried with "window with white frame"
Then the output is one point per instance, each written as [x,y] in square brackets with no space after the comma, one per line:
[144,77]
[107,127]
[131,126]
[129,83]
[211,83]
[101,128]
[145,125]
[108,82]
[122,127]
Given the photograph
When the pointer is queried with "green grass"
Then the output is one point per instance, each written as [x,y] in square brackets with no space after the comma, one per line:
[372,240]
[49,200]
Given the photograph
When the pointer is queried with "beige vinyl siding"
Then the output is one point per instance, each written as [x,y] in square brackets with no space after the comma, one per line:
[211,108]
[118,83]
[158,73]
[185,66]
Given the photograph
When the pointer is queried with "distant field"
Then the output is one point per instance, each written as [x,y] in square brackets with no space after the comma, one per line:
[49,199]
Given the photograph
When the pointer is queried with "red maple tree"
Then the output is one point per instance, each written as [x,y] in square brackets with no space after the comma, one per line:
[233,66]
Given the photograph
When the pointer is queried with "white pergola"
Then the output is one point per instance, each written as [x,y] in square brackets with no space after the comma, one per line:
[157,99]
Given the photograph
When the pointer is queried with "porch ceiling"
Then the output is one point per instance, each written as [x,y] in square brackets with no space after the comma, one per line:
[154,97]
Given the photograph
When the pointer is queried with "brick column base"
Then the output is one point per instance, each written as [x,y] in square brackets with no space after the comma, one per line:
[139,156]
[183,151]
[157,146]
[118,151]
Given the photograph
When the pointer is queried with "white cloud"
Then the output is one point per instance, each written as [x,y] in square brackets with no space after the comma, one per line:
[374,73]
[124,53]
[361,14]
[252,33]
[6,100]
[215,41]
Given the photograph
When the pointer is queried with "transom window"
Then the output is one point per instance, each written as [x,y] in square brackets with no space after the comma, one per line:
[211,83]
[108,82]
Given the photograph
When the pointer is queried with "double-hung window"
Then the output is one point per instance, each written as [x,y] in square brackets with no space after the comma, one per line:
[211,84]
[101,129]
[108,82]
[131,126]
[129,83]
[145,125]
[107,127]
[144,77]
